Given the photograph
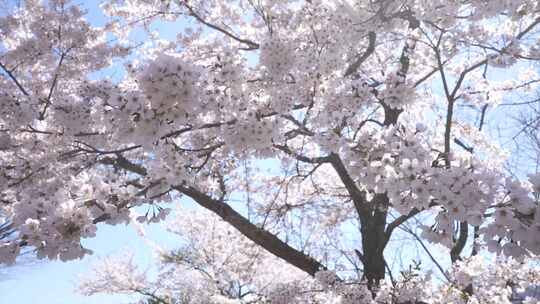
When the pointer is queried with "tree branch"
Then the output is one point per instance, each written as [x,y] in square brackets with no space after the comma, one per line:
[53,86]
[361,58]
[17,83]
[357,196]
[251,45]
[419,240]
[261,237]
[302,158]
[460,244]
[398,221]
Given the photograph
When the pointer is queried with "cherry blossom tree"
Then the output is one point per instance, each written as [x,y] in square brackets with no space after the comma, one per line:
[365,111]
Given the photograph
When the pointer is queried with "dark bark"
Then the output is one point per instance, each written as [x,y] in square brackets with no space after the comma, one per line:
[374,241]
[372,217]
[261,237]
[459,245]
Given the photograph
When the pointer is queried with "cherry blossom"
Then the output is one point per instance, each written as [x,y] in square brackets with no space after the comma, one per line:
[315,130]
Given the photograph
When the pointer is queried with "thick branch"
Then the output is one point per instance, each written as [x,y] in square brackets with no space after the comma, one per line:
[357,196]
[461,241]
[302,158]
[448,131]
[391,115]
[123,163]
[261,237]
[361,58]
[17,83]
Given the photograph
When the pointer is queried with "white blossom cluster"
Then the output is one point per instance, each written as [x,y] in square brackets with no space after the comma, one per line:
[15,112]
[471,281]
[398,91]
[277,57]
[401,165]
[170,85]
[250,133]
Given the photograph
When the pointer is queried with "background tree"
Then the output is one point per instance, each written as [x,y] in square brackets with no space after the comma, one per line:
[223,266]
[358,103]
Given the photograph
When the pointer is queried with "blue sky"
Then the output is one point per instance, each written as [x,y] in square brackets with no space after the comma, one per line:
[55,282]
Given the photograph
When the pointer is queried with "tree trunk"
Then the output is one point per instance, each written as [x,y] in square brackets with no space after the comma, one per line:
[373,243]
